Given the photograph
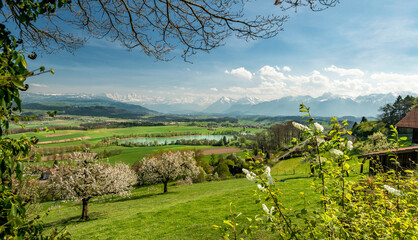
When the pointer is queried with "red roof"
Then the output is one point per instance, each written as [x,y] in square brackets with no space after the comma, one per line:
[399,150]
[410,120]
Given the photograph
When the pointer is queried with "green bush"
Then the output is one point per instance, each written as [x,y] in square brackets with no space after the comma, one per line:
[223,171]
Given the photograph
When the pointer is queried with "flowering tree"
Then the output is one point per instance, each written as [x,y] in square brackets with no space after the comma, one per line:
[86,178]
[168,166]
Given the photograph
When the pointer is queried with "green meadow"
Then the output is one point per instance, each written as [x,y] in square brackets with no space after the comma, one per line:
[185,212]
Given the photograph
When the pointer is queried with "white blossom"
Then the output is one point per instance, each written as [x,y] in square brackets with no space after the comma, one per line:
[268,175]
[85,178]
[336,152]
[392,190]
[268,212]
[168,166]
[318,127]
[249,175]
[350,145]
[300,126]
[260,187]
[267,171]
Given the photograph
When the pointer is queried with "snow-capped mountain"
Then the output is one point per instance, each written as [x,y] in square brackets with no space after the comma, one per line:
[229,105]
[327,104]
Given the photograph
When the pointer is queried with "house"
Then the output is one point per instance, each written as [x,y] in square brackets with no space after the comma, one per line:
[410,121]
[407,157]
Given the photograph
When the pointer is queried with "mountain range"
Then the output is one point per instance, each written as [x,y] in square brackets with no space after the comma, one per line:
[326,105]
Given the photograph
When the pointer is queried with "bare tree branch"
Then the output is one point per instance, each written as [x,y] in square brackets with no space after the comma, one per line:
[156,27]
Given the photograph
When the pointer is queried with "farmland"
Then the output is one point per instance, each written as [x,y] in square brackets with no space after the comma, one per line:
[58,144]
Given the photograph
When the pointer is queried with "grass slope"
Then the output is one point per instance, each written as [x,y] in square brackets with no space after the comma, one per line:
[185,212]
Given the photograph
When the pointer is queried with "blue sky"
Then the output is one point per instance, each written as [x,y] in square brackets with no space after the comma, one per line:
[357,48]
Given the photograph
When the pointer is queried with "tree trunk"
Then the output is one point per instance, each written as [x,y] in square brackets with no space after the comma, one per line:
[362,164]
[312,169]
[165,186]
[84,214]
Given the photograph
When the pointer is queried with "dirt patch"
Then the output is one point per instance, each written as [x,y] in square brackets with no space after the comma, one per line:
[221,150]
[58,157]
[58,134]
[65,140]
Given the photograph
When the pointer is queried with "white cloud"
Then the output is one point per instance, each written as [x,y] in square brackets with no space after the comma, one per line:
[240,72]
[395,82]
[38,85]
[355,72]
[286,69]
[214,89]
[270,73]
[236,90]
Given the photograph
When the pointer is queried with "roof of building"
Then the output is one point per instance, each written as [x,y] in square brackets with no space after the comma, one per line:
[410,120]
[399,150]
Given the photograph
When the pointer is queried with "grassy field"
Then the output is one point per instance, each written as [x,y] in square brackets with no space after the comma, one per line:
[185,212]
[95,135]
[130,155]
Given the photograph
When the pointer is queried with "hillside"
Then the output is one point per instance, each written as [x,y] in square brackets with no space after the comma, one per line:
[83,105]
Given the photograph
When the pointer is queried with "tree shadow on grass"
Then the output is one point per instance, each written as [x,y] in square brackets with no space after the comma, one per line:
[292,178]
[62,222]
[144,196]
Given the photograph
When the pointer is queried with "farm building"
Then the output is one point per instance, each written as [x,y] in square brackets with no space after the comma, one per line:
[411,121]
[381,161]
[407,157]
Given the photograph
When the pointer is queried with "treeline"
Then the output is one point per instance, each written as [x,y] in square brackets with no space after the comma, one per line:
[98,125]
[173,118]
[62,149]
[390,115]
[192,142]
[95,111]
[393,113]
[23,130]
[276,137]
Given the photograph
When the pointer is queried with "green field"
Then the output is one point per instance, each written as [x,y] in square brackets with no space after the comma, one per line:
[95,135]
[185,212]
[130,155]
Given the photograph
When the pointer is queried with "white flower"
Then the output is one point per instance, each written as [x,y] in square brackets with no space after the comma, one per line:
[336,152]
[265,208]
[268,212]
[250,175]
[270,179]
[318,127]
[267,171]
[350,145]
[260,187]
[392,190]
[320,140]
[300,126]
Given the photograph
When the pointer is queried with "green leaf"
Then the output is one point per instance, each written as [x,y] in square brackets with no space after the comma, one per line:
[17,82]
[23,62]
[13,211]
